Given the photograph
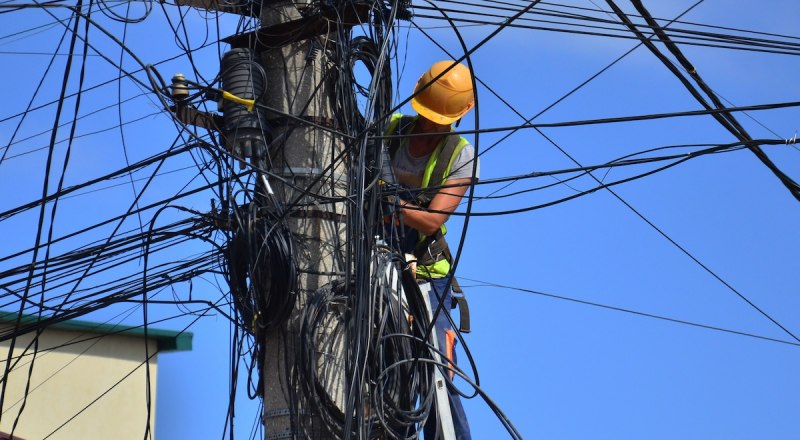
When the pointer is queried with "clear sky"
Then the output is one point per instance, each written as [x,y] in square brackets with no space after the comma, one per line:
[567,300]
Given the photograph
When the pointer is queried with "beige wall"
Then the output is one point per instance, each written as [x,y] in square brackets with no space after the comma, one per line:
[67,379]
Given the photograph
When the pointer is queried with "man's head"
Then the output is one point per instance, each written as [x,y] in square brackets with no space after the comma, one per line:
[425,125]
[447,99]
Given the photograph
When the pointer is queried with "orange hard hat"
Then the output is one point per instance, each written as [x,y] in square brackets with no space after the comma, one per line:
[447,99]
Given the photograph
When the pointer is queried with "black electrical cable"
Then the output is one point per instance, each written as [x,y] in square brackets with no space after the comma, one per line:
[726,119]
[722,114]
[647,117]
[685,36]
[107,221]
[91,88]
[33,97]
[79,339]
[561,99]
[125,20]
[73,41]
[15,141]
[617,163]
[470,198]
[683,22]
[53,210]
[138,210]
[111,388]
[379,342]
[634,312]
[121,291]
[646,220]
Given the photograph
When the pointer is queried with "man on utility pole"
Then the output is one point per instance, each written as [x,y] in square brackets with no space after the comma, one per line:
[437,168]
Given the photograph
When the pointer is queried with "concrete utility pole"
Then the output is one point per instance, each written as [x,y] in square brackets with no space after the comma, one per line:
[299,83]
[291,46]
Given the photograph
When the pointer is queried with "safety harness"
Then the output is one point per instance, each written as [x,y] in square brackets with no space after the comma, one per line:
[433,250]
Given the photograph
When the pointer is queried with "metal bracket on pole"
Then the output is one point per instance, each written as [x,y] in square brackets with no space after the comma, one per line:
[190,115]
[298,27]
[251,9]
[446,430]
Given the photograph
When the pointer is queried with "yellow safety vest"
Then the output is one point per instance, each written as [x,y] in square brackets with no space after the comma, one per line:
[440,268]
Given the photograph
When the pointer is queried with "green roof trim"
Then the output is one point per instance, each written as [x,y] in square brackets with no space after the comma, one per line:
[166,340]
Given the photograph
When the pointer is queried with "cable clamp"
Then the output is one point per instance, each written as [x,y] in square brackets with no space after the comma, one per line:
[281,413]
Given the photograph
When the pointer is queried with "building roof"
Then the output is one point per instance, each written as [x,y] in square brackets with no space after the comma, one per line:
[167,340]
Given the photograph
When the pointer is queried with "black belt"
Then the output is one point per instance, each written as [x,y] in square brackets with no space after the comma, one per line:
[433,249]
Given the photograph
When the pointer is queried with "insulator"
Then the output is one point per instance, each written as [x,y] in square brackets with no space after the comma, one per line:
[246,132]
[180,87]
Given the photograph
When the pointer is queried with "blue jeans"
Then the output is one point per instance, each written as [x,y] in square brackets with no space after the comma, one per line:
[446,338]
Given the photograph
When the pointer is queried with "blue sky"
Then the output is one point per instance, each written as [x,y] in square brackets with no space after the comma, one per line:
[558,369]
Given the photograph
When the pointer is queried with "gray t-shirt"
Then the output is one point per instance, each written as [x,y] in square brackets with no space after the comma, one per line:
[408,170]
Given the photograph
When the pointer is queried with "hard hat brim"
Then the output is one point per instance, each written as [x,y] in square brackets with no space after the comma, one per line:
[433,116]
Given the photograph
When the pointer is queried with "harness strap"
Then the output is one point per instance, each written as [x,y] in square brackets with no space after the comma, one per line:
[437,177]
[463,310]
[443,161]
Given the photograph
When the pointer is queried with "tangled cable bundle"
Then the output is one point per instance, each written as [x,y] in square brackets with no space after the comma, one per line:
[397,382]
[120,237]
